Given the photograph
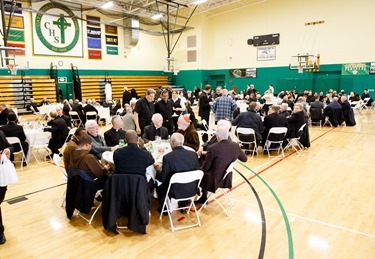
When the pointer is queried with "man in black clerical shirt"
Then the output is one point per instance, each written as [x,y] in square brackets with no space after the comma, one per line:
[156,129]
[144,109]
[164,107]
[114,134]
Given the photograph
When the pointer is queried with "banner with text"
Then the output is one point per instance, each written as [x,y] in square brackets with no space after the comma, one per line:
[16,34]
[57,29]
[355,69]
[94,37]
[111,39]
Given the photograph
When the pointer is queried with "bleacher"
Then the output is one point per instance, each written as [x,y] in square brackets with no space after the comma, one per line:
[93,86]
[17,90]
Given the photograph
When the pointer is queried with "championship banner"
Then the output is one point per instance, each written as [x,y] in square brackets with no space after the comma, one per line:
[94,32]
[94,37]
[111,39]
[17,22]
[56,29]
[16,35]
[355,69]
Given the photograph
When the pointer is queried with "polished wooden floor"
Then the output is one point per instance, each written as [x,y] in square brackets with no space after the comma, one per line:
[320,204]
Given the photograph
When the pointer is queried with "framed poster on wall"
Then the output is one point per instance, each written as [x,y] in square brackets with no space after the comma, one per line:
[266,53]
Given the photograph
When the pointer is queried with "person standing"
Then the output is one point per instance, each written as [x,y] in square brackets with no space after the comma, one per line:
[126,96]
[164,107]
[204,104]
[223,107]
[144,109]
[5,148]
[178,107]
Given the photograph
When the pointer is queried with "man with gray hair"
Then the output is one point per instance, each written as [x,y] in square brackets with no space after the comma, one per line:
[143,111]
[219,157]
[98,143]
[114,134]
[179,160]
[223,107]
[156,129]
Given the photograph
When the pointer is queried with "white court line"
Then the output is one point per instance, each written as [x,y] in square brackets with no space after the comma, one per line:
[309,219]
[343,161]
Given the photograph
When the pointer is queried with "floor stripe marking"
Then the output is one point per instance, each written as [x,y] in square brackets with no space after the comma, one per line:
[309,219]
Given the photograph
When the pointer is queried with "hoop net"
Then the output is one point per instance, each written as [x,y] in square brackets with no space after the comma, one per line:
[300,69]
[13,69]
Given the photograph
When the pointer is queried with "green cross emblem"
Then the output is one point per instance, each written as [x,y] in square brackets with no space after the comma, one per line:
[62,24]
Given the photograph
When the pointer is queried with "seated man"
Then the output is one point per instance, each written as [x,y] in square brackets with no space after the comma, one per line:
[186,128]
[98,143]
[295,121]
[72,144]
[114,134]
[44,102]
[59,131]
[133,159]
[347,111]
[90,108]
[316,109]
[82,159]
[250,119]
[128,119]
[284,110]
[334,112]
[179,160]
[273,119]
[14,130]
[33,105]
[202,151]
[4,111]
[155,129]
[66,118]
[219,157]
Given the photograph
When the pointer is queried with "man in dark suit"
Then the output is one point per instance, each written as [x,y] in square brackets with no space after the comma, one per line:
[34,105]
[295,121]
[114,134]
[219,157]
[132,159]
[44,102]
[66,118]
[273,119]
[250,119]
[143,111]
[126,96]
[59,131]
[90,108]
[164,107]
[204,104]
[155,129]
[77,107]
[179,160]
[14,130]
[316,109]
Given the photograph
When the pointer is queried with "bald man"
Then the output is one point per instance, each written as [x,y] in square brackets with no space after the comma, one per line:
[132,159]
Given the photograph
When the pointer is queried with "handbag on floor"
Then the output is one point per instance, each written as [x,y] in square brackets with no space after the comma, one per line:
[8,174]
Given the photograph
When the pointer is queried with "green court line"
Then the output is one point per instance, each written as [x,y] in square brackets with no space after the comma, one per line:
[287,225]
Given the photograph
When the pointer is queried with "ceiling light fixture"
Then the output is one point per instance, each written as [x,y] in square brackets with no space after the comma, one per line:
[199,2]
[107,5]
[157,16]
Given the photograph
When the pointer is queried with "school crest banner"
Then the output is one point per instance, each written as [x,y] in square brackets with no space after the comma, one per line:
[57,29]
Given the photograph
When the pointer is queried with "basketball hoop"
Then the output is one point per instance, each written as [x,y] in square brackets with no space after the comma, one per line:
[300,69]
[13,69]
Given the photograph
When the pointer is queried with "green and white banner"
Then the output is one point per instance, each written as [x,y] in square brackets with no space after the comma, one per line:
[56,29]
[355,69]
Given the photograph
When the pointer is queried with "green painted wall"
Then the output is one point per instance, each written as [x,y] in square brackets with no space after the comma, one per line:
[282,78]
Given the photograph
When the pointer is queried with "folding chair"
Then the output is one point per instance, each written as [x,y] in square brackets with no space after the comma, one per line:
[206,130]
[365,102]
[182,195]
[224,192]
[40,141]
[316,116]
[75,119]
[249,135]
[57,160]
[16,141]
[68,138]
[275,136]
[89,220]
[292,141]
[91,115]
[80,195]
[327,122]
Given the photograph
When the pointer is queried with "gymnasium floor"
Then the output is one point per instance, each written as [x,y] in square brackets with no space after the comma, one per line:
[320,204]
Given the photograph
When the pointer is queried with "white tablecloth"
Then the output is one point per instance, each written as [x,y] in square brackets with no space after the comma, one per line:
[46,109]
[104,113]
[36,136]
